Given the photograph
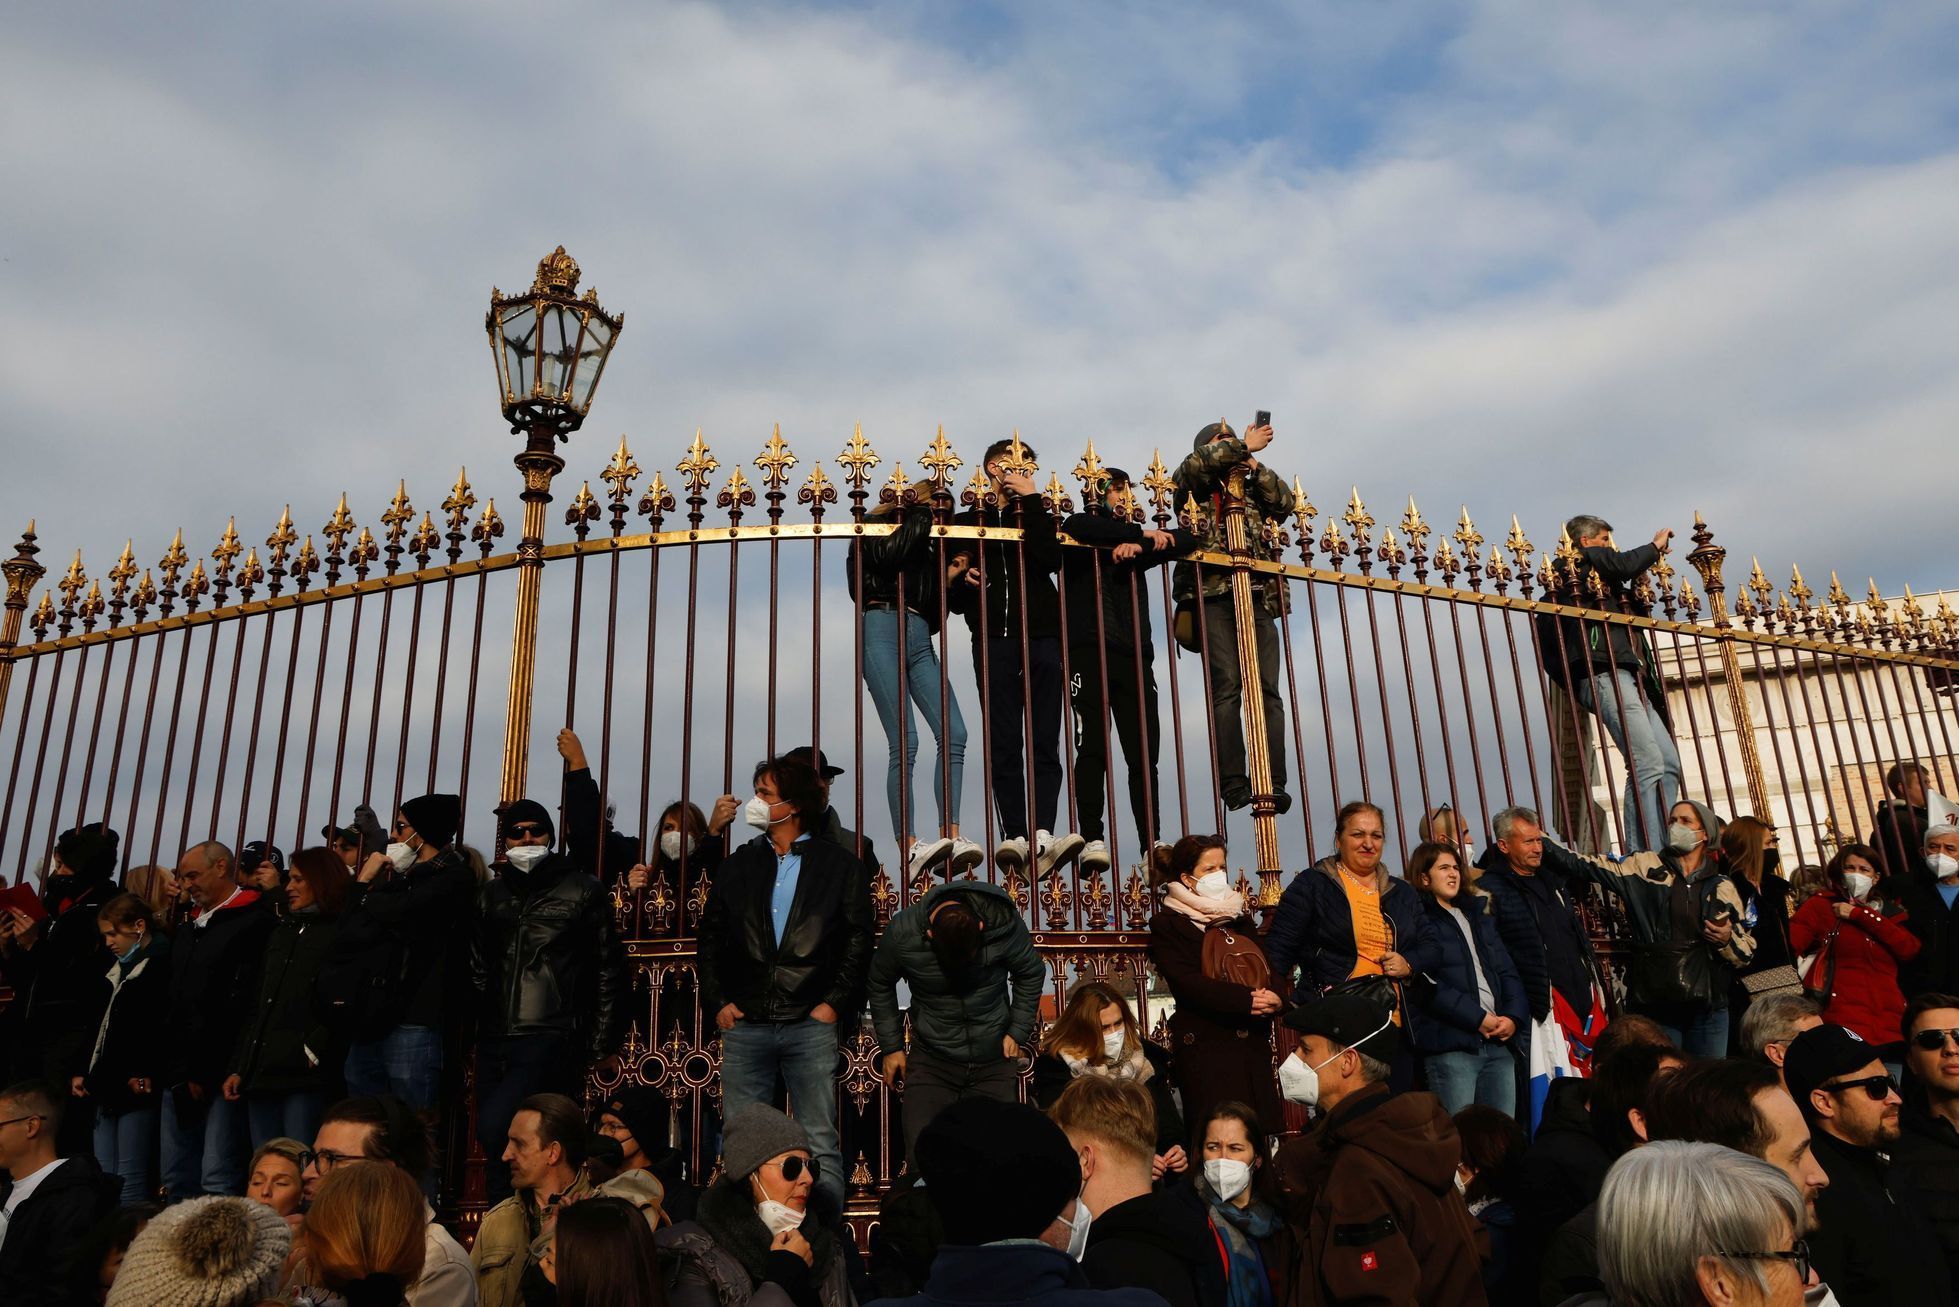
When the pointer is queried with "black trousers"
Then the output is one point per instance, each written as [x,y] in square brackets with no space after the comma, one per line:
[1131,712]
[1010,689]
[1221,631]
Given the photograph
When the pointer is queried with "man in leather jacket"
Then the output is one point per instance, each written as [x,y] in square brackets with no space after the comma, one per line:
[784,947]
[549,973]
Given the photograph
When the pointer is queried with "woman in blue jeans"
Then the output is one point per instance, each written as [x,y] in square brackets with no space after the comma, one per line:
[896,580]
[127,1055]
[1466,1029]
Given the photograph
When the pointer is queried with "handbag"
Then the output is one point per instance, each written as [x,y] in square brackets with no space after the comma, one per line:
[1664,973]
[1829,986]
[1233,956]
[1774,980]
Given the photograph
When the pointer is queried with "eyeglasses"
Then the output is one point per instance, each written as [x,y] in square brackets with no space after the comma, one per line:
[1799,1254]
[1934,1040]
[792,1168]
[1879,1087]
[523,831]
[36,1116]
[326,1159]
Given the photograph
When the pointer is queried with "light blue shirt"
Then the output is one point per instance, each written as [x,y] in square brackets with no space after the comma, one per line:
[1948,893]
[788,871]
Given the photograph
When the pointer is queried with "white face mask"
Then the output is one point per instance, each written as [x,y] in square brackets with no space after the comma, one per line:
[1112,1042]
[1857,883]
[670,845]
[1462,1185]
[402,856]
[1819,1295]
[1078,1230]
[1226,1177]
[1682,838]
[525,856]
[1213,885]
[756,813]
[1943,865]
[779,1217]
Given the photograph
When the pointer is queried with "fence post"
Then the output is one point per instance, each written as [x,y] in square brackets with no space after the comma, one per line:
[539,463]
[22,574]
[1258,758]
[1707,558]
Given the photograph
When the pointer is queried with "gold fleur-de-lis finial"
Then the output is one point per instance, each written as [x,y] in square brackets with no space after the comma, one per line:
[338,527]
[305,563]
[897,486]
[1759,583]
[775,460]
[1547,576]
[940,462]
[1089,471]
[1498,567]
[620,473]
[1057,496]
[1517,542]
[143,594]
[1446,561]
[44,615]
[488,527]
[1567,551]
[737,494]
[461,499]
[817,491]
[196,585]
[657,502]
[1838,598]
[1157,481]
[697,466]
[123,572]
[1413,526]
[1357,518]
[228,548]
[977,489]
[1468,536]
[173,560]
[1192,513]
[1303,511]
[91,606]
[1017,461]
[1947,620]
[1126,506]
[1914,614]
[1662,571]
[283,538]
[584,507]
[398,515]
[1798,591]
[426,540]
[857,460]
[249,573]
[72,584]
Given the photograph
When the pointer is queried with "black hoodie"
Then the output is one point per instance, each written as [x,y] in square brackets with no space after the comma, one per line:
[1158,1241]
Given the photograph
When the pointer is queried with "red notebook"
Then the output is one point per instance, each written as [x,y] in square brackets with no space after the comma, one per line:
[22,898]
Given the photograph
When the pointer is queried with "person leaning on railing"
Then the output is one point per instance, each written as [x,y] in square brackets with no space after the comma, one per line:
[1203,476]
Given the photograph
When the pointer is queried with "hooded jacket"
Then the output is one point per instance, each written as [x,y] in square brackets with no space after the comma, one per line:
[960,1017]
[135,1045]
[1159,1241]
[1372,1195]
[214,972]
[826,943]
[1314,928]
[722,1258]
[1012,588]
[546,959]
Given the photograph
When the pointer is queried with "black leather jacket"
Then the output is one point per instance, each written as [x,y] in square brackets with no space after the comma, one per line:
[826,944]
[907,556]
[546,957]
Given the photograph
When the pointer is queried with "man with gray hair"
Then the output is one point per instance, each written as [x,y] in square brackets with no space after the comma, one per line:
[1775,1019]
[1611,672]
[214,970]
[1689,1222]
[1536,916]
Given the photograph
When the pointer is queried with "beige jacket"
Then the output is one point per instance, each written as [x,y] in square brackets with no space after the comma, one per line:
[515,1232]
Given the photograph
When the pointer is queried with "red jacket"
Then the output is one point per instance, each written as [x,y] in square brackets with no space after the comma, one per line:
[1869,948]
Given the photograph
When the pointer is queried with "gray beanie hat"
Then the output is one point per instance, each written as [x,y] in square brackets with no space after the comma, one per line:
[755,1134]
[205,1252]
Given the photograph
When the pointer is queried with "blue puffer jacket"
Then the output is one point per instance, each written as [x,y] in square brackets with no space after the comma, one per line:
[1314,929]
[1447,1022]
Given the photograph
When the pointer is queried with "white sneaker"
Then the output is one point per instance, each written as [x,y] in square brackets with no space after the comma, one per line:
[1095,856]
[925,854]
[966,855]
[1010,856]
[1056,850]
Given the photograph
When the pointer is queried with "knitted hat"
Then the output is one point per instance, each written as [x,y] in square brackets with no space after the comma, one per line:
[434,817]
[205,1252]
[755,1134]
[520,810]
[89,851]
[996,1170]
[642,1110]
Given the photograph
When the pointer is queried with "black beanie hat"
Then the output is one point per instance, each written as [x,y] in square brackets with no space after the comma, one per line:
[996,1170]
[89,851]
[642,1110]
[525,810]
[434,817]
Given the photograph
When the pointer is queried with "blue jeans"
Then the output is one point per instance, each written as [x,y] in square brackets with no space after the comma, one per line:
[405,1062]
[805,1053]
[204,1151]
[921,659]
[1488,1077]
[125,1146]
[1697,1032]
[509,1069]
[1652,759]
[285,1116]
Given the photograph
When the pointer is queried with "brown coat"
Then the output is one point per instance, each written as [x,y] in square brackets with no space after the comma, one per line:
[1221,1052]
[1372,1200]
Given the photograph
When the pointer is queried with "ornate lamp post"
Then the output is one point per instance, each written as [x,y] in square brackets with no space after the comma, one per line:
[550,347]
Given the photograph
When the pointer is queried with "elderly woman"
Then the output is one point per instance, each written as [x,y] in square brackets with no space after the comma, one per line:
[1681,1224]
[753,1238]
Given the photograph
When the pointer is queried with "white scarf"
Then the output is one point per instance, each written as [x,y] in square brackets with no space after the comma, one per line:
[1228,906]
[1134,1067]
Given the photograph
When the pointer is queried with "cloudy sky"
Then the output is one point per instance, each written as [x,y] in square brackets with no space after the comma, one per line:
[1637,260]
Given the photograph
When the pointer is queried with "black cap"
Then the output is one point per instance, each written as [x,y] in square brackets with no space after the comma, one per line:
[996,1170]
[1822,1054]
[821,763]
[258,853]
[340,834]
[525,810]
[1351,1022]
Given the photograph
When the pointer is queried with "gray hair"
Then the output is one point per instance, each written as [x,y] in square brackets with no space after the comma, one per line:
[1668,1204]
[1934,832]
[1372,1069]
[1585,526]
[218,857]
[1772,1020]
[1506,821]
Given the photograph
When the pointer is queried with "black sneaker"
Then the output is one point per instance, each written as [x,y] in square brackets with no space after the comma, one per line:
[1281,802]
[1237,796]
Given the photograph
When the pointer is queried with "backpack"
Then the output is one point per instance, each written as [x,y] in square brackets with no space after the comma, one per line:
[1235,957]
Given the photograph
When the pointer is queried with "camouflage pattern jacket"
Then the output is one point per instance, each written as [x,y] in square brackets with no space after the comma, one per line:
[1202,476]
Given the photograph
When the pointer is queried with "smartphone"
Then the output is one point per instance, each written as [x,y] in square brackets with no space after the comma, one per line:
[1264,418]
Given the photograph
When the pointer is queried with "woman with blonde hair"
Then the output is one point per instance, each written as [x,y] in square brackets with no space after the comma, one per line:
[156,886]
[1098,1035]
[363,1237]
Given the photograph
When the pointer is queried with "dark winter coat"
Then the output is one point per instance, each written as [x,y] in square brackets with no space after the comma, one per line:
[400,955]
[1573,649]
[546,958]
[1372,1195]
[59,991]
[1448,1020]
[1158,1241]
[1124,625]
[1052,1075]
[1925,1161]
[287,1046]
[1016,1273]
[1898,836]
[722,1258]
[826,943]
[1009,593]
[1560,1173]
[1314,929]
[1872,1243]
[49,1228]
[214,971]
[1643,883]
[961,1017]
[590,839]
[1869,948]
[1222,1052]
[909,559]
[1537,919]
[136,1045]
[1937,965]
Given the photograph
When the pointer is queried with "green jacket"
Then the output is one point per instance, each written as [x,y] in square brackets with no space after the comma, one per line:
[962,1022]
[1202,476]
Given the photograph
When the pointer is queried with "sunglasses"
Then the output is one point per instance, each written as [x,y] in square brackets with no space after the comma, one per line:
[792,1168]
[1934,1040]
[523,830]
[1878,1088]
[1798,1254]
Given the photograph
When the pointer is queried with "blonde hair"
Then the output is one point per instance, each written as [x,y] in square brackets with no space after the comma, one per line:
[1116,1112]
[366,1221]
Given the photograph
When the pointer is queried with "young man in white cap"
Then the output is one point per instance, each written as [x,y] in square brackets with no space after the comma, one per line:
[1929,903]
